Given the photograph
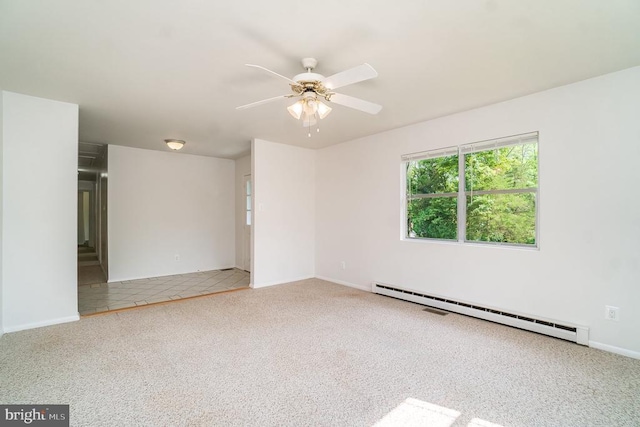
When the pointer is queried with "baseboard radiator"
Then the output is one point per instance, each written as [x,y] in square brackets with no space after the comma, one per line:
[574,333]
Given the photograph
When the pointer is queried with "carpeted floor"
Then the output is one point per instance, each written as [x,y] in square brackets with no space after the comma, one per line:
[311,353]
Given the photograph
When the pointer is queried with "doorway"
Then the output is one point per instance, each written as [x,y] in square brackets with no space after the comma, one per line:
[246,238]
[92,188]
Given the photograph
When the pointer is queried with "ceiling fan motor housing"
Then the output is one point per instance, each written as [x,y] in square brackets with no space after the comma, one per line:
[308,77]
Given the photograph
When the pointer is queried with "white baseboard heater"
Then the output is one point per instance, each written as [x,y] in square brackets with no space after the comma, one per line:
[569,332]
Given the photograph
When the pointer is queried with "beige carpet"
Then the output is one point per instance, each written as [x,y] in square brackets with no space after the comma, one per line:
[312,353]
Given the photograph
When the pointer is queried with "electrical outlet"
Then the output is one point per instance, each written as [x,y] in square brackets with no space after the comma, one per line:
[343,265]
[177,256]
[612,313]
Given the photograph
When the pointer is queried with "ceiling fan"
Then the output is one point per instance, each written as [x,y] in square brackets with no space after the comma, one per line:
[312,87]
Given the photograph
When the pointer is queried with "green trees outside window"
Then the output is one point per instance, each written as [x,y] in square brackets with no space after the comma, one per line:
[432,198]
[500,192]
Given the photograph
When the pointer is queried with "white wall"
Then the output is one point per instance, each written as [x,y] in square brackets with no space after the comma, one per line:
[163,204]
[589,210]
[243,167]
[39,173]
[284,213]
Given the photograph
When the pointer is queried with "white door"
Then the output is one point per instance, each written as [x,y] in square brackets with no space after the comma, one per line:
[246,241]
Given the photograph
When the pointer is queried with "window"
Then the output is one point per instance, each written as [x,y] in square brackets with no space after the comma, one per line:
[481,192]
[432,195]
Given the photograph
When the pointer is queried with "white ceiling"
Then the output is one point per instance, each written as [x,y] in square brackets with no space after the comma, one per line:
[146,70]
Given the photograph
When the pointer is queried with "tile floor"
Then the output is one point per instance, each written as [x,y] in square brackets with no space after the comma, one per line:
[90,274]
[129,293]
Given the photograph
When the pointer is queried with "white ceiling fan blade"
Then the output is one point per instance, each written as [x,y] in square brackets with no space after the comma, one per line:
[264,101]
[355,103]
[272,72]
[350,76]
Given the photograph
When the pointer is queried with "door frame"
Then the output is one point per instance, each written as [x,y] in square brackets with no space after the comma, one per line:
[247,185]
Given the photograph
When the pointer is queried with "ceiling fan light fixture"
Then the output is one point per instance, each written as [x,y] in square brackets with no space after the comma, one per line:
[296,110]
[175,144]
[310,106]
[311,87]
[309,120]
[323,110]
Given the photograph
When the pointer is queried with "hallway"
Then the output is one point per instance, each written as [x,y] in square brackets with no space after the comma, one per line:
[90,275]
[89,269]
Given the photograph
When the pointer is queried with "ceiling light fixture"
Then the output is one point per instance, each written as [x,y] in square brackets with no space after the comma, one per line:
[175,144]
[312,87]
[309,109]
[296,110]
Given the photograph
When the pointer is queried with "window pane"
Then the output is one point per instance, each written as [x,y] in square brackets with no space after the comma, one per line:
[248,217]
[506,218]
[502,168]
[438,175]
[433,217]
[248,188]
[248,203]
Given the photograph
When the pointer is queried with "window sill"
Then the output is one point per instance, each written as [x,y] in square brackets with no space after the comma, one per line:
[471,244]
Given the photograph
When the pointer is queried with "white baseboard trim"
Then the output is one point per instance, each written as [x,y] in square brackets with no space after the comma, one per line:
[50,322]
[280,282]
[343,283]
[614,349]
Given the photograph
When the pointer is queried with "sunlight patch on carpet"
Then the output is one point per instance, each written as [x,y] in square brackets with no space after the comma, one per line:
[477,422]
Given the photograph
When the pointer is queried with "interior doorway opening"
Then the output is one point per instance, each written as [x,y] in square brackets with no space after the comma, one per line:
[246,237]
[92,214]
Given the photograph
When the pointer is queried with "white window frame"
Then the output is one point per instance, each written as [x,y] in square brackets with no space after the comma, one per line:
[461,151]
[423,155]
